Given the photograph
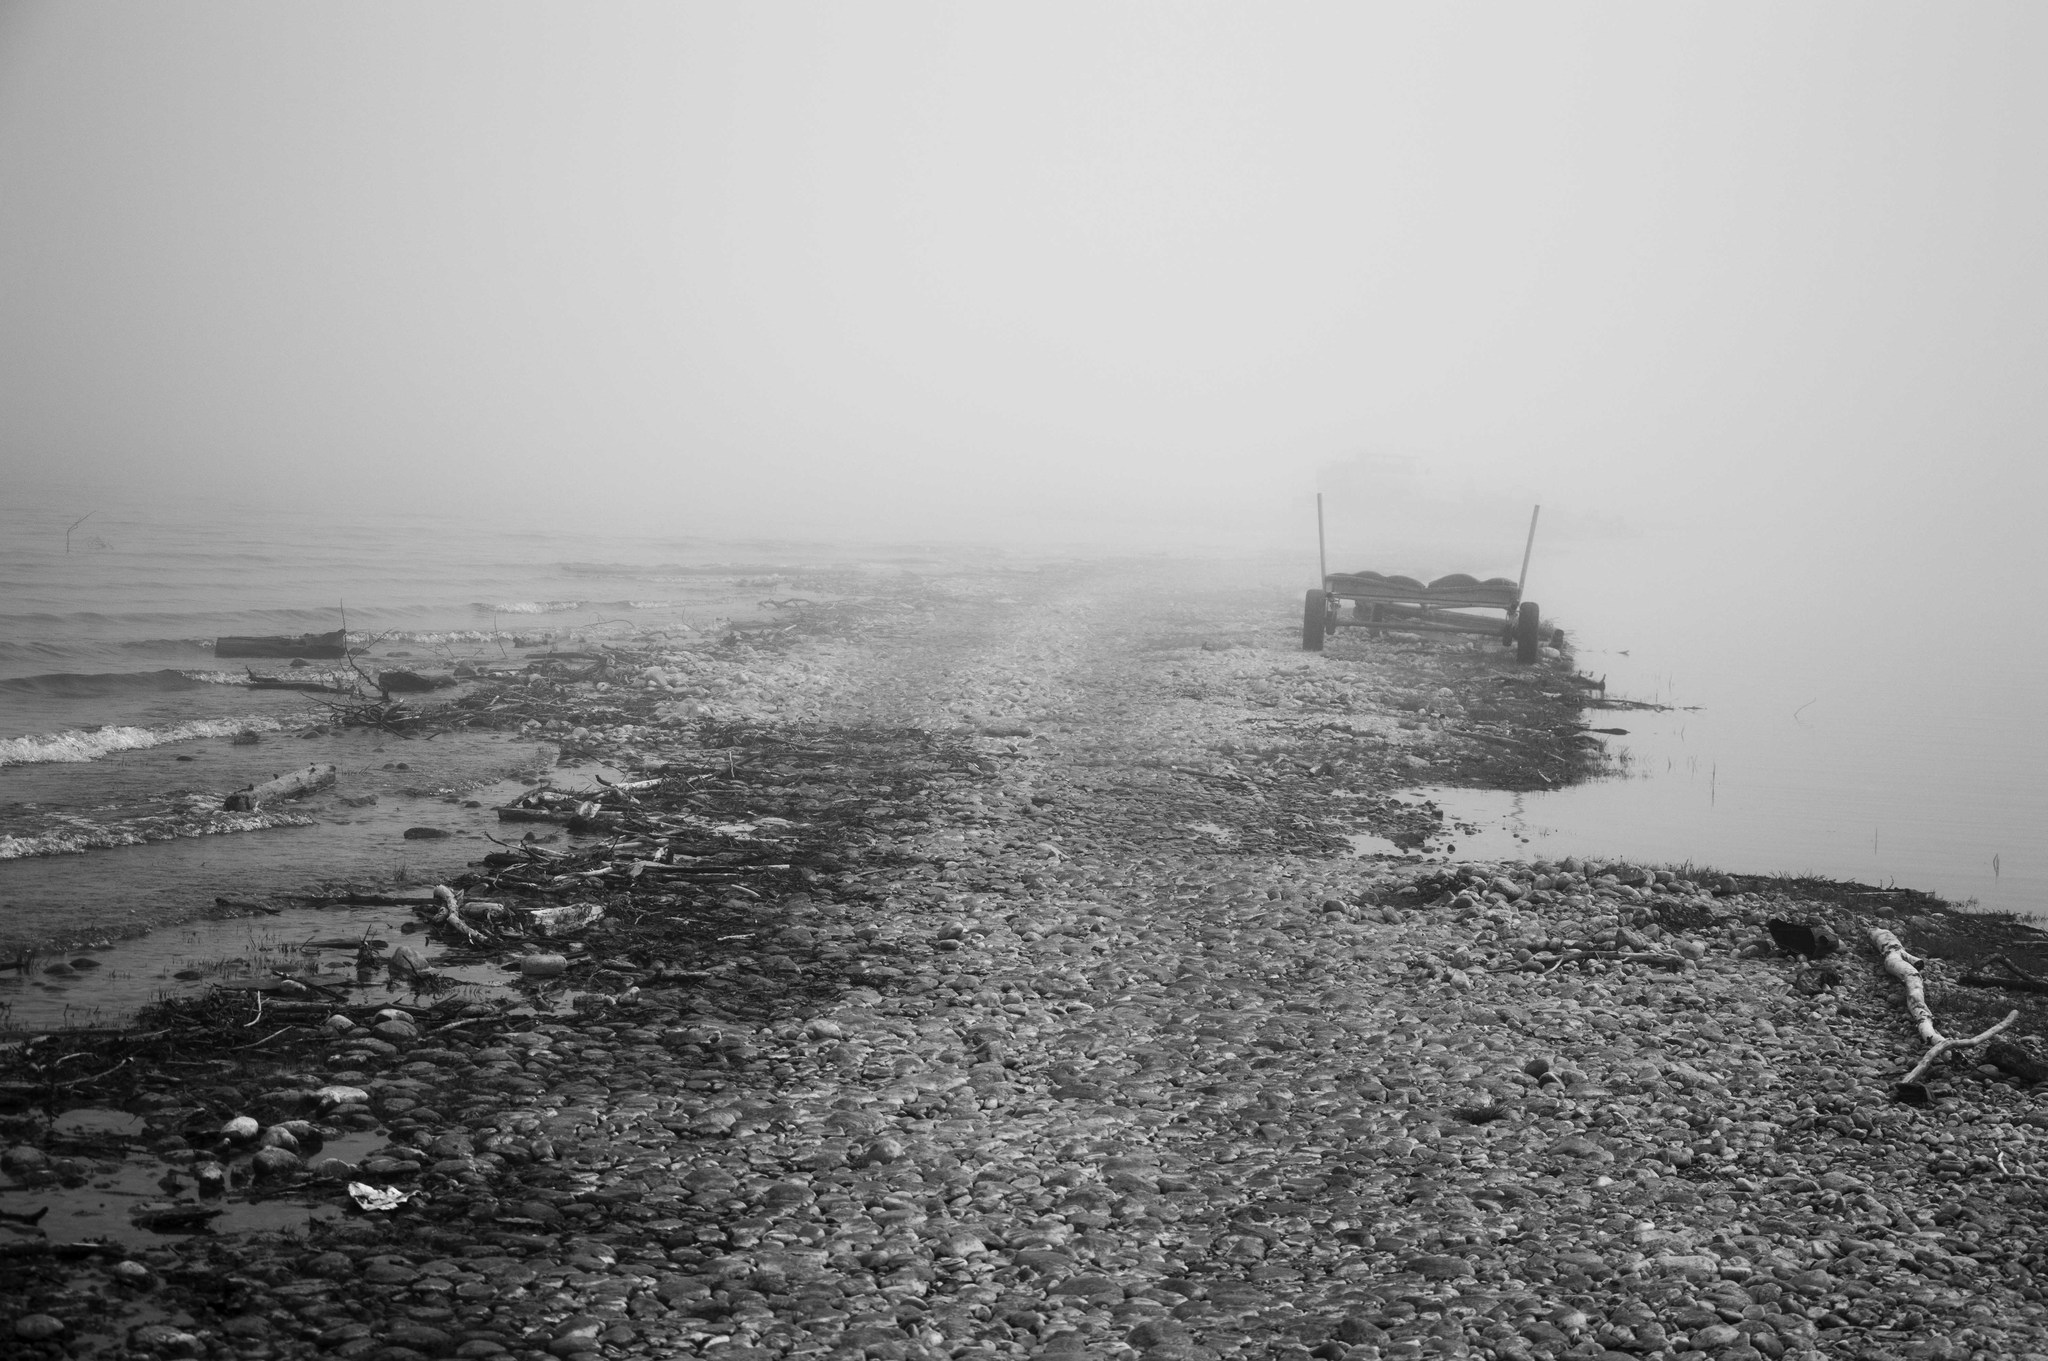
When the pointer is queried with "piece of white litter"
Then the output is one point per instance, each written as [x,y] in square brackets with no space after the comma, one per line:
[370,1197]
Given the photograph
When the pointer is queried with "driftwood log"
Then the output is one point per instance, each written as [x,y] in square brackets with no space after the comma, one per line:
[448,913]
[282,787]
[2015,978]
[1901,965]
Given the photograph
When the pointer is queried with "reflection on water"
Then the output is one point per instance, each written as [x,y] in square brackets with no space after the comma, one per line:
[119,1181]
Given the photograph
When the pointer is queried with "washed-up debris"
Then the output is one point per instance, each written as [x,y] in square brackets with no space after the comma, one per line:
[2011,977]
[379,1199]
[412,682]
[552,922]
[285,786]
[1902,965]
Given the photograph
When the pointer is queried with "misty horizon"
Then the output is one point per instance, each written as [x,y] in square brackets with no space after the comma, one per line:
[919,272]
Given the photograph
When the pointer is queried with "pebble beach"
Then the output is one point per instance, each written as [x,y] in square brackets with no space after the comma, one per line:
[1044,1006]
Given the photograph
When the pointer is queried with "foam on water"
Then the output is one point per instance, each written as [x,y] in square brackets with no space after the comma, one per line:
[200,817]
[531,606]
[91,745]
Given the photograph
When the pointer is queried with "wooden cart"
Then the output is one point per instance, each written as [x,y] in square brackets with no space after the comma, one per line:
[1381,603]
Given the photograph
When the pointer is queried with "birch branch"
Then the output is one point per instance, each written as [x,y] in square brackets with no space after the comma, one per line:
[1903,966]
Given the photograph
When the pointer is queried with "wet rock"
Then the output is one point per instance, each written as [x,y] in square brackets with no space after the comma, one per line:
[133,1274]
[336,1097]
[420,1337]
[161,1339]
[38,1327]
[278,1136]
[389,1271]
[879,1151]
[273,1163]
[23,1159]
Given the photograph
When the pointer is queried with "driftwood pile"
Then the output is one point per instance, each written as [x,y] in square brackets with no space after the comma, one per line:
[664,864]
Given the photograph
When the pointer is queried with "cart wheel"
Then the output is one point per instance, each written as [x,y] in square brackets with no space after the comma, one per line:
[1315,618]
[1528,632]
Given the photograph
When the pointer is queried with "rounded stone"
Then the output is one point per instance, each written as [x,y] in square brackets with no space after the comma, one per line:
[38,1327]
[275,1162]
[24,1158]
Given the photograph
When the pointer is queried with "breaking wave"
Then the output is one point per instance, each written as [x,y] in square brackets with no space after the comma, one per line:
[81,745]
[567,606]
[531,606]
[82,836]
[450,637]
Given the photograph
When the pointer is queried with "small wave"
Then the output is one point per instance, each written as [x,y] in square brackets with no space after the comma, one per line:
[79,745]
[531,606]
[565,606]
[84,836]
[451,637]
[12,651]
[85,684]
[167,644]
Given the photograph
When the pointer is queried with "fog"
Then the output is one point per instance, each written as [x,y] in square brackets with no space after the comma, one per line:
[1137,274]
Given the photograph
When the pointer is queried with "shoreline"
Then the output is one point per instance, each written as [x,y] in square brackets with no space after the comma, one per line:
[1050,1019]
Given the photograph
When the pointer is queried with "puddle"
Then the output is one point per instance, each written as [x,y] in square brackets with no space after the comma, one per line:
[105,1208]
[316,946]
[1365,845]
[1495,824]
[106,985]
[90,1122]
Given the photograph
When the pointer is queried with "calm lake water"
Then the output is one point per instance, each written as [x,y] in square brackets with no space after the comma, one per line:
[1837,716]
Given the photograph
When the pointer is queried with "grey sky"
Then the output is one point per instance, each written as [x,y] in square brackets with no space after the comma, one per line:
[976,269]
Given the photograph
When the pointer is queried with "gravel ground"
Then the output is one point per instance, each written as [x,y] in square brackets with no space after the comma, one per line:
[1066,1027]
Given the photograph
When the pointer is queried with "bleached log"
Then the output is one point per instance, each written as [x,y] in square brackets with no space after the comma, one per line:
[1903,966]
[281,787]
[450,916]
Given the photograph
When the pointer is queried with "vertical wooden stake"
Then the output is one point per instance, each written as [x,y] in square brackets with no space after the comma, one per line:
[1527,549]
[1322,554]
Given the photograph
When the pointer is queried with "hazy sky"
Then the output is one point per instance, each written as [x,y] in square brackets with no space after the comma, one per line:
[954,269]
